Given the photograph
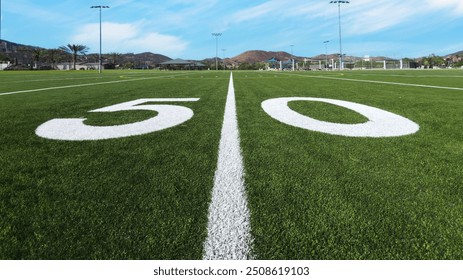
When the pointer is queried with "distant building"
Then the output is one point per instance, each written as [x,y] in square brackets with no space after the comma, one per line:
[4,64]
[79,66]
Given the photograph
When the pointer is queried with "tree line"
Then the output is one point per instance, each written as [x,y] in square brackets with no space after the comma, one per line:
[48,58]
[23,57]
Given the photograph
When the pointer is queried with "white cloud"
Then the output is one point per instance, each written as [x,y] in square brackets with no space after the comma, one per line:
[127,37]
[455,5]
[360,16]
[256,11]
[181,13]
[376,18]
[366,16]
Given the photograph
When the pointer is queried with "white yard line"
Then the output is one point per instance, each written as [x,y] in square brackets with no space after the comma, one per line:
[229,236]
[86,85]
[376,82]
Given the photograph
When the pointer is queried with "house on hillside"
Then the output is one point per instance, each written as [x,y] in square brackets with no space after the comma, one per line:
[4,65]
[454,59]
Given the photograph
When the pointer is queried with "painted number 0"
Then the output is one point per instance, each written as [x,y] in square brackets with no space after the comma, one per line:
[380,123]
[75,129]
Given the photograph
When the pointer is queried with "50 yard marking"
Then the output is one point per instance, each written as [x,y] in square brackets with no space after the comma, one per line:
[229,229]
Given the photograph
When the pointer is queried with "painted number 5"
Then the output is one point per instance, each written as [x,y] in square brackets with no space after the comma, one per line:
[75,129]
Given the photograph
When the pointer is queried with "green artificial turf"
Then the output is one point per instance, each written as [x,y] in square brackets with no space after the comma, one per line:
[311,195]
[319,196]
[140,197]
[327,112]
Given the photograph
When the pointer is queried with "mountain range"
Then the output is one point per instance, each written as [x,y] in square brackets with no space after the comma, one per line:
[23,54]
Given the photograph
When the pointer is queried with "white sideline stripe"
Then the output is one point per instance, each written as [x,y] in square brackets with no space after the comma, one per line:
[86,85]
[229,230]
[376,82]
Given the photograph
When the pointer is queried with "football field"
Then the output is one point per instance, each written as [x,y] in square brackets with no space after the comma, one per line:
[208,165]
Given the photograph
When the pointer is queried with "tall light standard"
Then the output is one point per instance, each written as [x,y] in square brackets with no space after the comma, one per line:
[340,35]
[223,59]
[326,53]
[100,7]
[0,20]
[292,58]
[216,35]
[1,62]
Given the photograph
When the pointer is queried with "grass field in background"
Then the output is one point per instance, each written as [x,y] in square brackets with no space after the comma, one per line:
[311,195]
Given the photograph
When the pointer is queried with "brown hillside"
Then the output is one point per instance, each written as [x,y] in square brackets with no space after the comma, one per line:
[143,57]
[260,56]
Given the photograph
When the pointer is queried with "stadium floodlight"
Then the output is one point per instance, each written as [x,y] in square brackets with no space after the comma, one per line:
[340,34]
[326,53]
[223,59]
[0,20]
[99,58]
[216,35]
[3,45]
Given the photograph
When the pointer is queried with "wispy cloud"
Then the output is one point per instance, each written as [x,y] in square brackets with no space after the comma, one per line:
[129,37]
[33,11]
[256,12]
[455,6]
[181,13]
[183,27]
[366,16]
[373,18]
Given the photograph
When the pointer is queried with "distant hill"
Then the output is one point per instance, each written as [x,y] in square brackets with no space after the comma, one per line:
[260,56]
[10,47]
[22,55]
[460,53]
[141,58]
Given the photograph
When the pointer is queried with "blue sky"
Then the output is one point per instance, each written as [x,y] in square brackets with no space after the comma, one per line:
[182,28]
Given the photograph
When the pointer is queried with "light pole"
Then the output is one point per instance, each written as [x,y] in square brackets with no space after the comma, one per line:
[1,63]
[1,43]
[216,35]
[100,7]
[292,59]
[326,53]
[0,21]
[340,35]
[224,65]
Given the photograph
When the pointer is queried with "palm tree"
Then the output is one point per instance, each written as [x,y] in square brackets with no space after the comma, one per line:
[37,54]
[53,55]
[115,56]
[74,50]
[26,56]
